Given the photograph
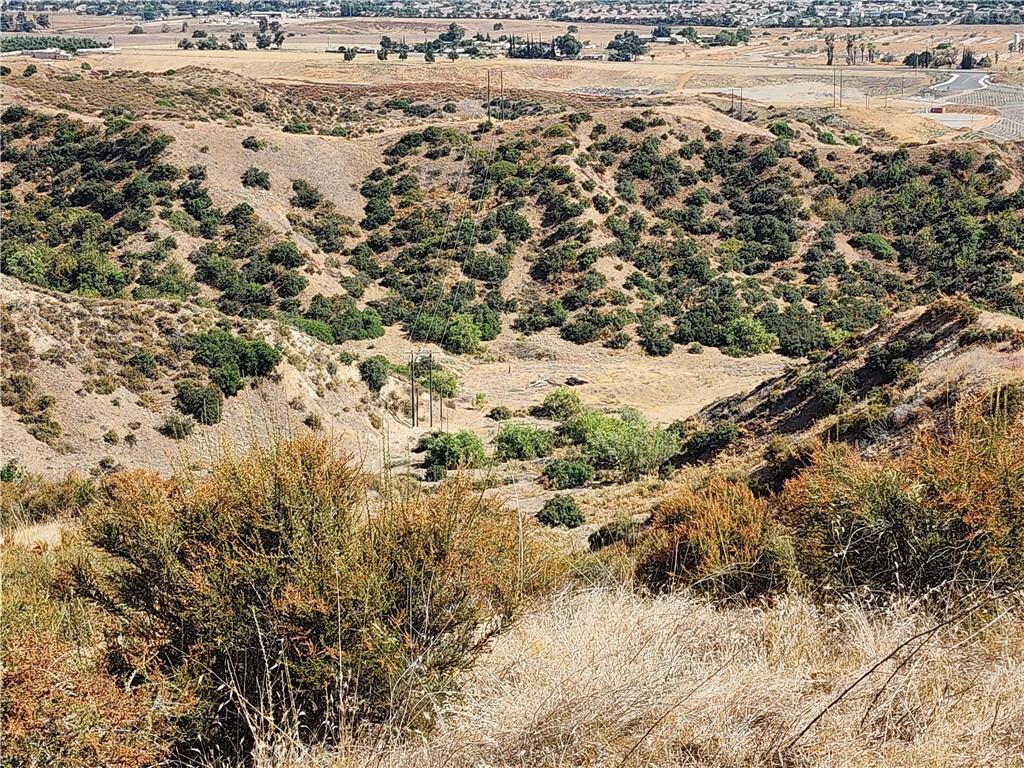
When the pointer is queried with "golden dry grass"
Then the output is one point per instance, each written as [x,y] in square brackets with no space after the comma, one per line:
[607,677]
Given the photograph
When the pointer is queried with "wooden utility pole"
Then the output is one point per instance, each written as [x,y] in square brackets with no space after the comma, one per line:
[412,385]
[488,96]
[430,384]
[833,88]
[840,88]
[501,87]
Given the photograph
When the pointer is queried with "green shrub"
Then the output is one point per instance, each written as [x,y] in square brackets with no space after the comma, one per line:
[500,413]
[627,446]
[254,177]
[374,372]
[706,443]
[144,362]
[454,449]
[874,244]
[252,143]
[219,349]
[560,404]
[561,510]
[782,129]
[746,337]
[523,441]
[314,328]
[462,335]
[568,473]
[199,401]
[177,427]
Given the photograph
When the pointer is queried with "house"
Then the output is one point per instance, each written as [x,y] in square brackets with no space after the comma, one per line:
[50,53]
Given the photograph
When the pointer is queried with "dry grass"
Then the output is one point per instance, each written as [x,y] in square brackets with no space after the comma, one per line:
[611,678]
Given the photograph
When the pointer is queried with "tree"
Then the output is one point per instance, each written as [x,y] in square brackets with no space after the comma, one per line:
[746,337]
[463,335]
[830,48]
[374,372]
[572,29]
[662,30]
[263,40]
[137,30]
[428,56]
[453,35]
[627,46]
[237,41]
[568,46]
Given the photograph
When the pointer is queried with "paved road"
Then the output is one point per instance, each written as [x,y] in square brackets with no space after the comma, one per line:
[962,81]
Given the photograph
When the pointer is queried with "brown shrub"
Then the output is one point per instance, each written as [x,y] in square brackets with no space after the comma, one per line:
[719,538]
[276,591]
[946,511]
[59,704]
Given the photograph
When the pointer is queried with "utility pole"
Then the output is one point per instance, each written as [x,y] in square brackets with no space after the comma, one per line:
[412,385]
[488,97]
[732,100]
[833,87]
[840,88]
[741,104]
[430,384]
[501,87]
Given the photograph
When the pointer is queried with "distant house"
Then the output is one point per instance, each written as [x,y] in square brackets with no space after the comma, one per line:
[50,53]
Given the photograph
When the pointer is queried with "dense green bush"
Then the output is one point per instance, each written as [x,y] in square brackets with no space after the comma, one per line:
[254,177]
[745,337]
[199,401]
[523,441]
[500,413]
[453,449]
[374,372]
[560,404]
[561,510]
[627,446]
[230,357]
[568,473]
[707,443]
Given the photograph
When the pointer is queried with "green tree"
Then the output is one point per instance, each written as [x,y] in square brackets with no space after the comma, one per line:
[746,337]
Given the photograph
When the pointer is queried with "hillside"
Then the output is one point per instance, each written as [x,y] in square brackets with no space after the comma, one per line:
[635,232]
[351,414]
